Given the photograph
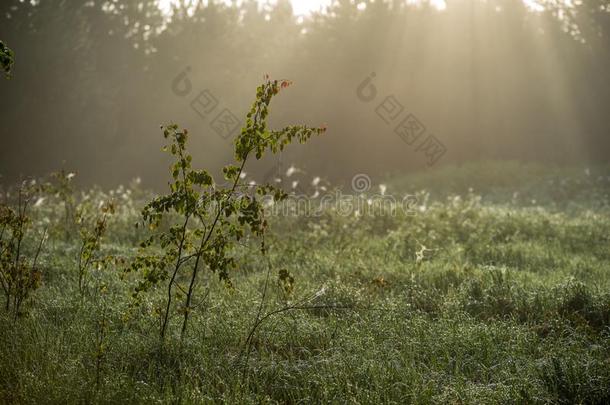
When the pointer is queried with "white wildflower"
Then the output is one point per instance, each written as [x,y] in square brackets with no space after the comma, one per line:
[319,293]
[382,189]
[39,202]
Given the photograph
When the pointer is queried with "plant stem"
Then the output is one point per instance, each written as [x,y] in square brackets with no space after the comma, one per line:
[173,279]
[204,241]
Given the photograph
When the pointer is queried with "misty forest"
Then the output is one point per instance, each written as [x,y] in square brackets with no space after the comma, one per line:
[341,201]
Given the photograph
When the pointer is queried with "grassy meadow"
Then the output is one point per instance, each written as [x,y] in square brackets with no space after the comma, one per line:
[495,289]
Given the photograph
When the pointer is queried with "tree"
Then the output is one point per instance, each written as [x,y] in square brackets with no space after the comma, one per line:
[7,58]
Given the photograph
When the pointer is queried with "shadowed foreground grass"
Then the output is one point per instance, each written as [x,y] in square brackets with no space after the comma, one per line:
[499,294]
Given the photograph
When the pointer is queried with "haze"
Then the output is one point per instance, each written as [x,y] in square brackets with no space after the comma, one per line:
[511,79]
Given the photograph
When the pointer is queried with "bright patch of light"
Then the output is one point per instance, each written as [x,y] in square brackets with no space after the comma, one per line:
[439,4]
[534,5]
[299,7]
[539,6]
[306,7]
[303,7]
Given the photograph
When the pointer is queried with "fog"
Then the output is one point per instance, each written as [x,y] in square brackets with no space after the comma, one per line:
[471,80]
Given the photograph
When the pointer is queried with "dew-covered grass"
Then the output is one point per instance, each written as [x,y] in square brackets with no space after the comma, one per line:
[495,290]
